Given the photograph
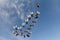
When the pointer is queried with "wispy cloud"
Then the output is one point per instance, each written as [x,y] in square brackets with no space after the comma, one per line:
[10,11]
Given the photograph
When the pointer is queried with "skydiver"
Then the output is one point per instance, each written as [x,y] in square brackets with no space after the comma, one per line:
[16,34]
[15,27]
[33,21]
[28,35]
[37,5]
[23,24]
[29,17]
[20,28]
[24,36]
[26,31]
[32,14]
[37,14]
[26,21]
[31,24]
[29,28]
[29,32]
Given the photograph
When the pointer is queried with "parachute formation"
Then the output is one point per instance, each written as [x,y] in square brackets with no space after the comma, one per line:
[24,30]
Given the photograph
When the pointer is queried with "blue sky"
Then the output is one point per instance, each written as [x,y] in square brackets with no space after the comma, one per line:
[13,12]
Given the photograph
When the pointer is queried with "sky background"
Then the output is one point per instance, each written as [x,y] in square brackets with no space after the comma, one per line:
[13,12]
